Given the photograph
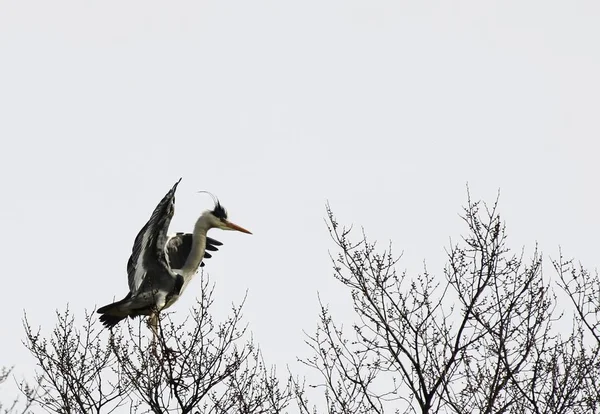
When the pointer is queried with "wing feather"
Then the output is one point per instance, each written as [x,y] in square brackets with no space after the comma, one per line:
[149,246]
[178,248]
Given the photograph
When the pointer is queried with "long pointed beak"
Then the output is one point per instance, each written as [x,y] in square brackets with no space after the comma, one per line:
[233,226]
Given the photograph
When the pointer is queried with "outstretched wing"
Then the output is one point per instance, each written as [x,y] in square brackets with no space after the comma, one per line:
[179,246]
[148,251]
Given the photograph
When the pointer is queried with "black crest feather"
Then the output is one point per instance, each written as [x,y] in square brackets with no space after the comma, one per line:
[219,211]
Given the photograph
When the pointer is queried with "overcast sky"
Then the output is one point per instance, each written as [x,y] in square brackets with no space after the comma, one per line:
[384,109]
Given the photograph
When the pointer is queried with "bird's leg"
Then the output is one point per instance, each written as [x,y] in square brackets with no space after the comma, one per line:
[153,325]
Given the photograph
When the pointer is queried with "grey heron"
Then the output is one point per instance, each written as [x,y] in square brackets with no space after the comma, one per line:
[161,266]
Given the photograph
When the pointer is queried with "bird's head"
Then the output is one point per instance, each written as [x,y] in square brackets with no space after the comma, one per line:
[217,218]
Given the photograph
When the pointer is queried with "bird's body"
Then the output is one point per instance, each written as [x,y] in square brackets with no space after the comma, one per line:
[161,266]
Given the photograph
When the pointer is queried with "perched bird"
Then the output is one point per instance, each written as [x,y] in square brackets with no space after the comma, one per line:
[161,266]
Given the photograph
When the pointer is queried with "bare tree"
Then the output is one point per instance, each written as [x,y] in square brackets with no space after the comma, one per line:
[487,336]
[482,339]
[17,406]
[197,366]
[583,289]
[75,367]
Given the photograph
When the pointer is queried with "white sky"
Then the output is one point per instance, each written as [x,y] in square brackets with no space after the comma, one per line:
[386,109]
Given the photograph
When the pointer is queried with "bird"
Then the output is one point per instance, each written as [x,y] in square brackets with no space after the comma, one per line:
[161,265]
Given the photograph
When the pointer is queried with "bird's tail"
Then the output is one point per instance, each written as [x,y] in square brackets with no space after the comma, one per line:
[112,314]
[109,321]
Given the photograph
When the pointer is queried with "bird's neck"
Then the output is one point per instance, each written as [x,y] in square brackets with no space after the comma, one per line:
[198,247]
